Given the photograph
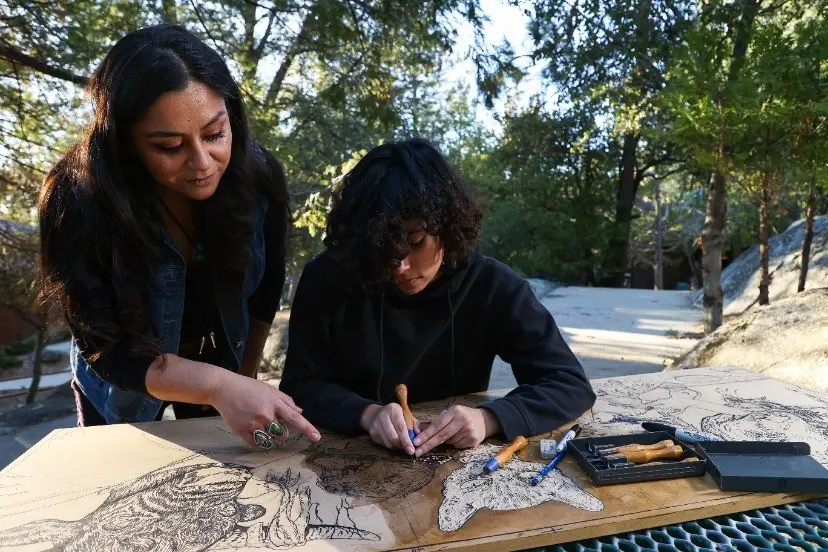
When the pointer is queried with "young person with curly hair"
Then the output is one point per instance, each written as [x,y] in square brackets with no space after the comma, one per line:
[163,238]
[401,296]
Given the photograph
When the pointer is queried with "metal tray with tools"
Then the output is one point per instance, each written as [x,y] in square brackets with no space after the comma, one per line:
[605,472]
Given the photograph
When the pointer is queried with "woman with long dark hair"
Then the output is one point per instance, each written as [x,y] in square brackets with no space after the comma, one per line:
[163,236]
[401,296]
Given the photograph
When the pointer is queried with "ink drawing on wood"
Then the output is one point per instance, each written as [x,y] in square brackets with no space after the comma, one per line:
[192,485]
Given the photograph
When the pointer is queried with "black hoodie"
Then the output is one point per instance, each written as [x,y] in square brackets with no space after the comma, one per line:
[350,349]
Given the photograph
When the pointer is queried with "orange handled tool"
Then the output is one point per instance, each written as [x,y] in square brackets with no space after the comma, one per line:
[624,449]
[691,459]
[505,454]
[644,456]
[402,396]
[661,444]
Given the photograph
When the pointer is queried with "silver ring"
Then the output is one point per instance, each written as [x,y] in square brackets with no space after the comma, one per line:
[262,439]
[275,428]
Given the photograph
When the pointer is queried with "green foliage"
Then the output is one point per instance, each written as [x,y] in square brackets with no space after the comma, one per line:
[549,208]
[326,80]
[7,362]
[323,81]
[767,119]
[742,227]
[19,347]
[682,216]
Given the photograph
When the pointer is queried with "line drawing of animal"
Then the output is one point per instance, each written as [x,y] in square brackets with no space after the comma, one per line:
[467,491]
[194,508]
[370,473]
[186,508]
[296,518]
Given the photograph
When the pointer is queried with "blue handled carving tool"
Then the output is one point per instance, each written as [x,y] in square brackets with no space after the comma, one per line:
[561,448]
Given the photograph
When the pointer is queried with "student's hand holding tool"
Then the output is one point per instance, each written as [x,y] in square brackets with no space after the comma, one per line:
[459,426]
[386,426]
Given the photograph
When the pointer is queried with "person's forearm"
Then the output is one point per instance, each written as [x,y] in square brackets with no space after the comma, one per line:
[256,339]
[183,380]
[367,415]
[490,422]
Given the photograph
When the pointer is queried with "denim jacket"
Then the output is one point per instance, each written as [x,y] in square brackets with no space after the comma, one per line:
[166,303]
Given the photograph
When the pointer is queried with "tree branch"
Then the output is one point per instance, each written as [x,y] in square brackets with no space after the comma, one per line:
[650,163]
[17,57]
[22,164]
[260,48]
[11,134]
[290,54]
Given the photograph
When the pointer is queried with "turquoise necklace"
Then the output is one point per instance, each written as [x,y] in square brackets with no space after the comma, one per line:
[198,248]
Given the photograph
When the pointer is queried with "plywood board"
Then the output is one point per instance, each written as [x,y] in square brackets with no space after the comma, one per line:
[192,485]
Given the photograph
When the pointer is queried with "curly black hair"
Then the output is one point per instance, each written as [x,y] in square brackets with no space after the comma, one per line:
[398,181]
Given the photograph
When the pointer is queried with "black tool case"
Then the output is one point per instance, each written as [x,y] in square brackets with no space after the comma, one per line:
[602,472]
[764,467]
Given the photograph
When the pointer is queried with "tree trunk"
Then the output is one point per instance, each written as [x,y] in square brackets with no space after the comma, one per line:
[169,11]
[619,244]
[294,284]
[37,364]
[809,237]
[695,272]
[659,247]
[248,59]
[628,178]
[764,234]
[712,242]
[293,50]
[712,234]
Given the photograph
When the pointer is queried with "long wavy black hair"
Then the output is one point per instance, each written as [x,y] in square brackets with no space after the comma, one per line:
[100,231]
[366,236]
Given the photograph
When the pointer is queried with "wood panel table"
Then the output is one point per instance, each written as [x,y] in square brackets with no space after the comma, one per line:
[193,485]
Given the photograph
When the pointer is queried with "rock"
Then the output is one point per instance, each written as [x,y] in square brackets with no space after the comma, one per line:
[51,356]
[787,339]
[58,404]
[542,288]
[740,280]
[54,352]
[275,349]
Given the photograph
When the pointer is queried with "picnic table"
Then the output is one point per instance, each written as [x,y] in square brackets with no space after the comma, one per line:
[193,485]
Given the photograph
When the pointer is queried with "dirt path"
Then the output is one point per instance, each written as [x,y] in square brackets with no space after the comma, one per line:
[617,332]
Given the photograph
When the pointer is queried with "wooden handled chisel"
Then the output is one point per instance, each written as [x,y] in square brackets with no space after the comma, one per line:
[644,456]
[633,448]
[505,454]
[402,396]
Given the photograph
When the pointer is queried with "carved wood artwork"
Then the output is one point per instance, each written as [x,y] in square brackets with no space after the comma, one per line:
[193,485]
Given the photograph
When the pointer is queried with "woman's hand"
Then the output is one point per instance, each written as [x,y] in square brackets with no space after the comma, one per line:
[247,404]
[386,426]
[459,426]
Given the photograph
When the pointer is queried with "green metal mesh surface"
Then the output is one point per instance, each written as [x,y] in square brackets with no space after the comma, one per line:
[799,527]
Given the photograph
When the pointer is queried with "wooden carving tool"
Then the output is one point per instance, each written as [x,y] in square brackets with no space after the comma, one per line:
[618,464]
[402,396]
[505,454]
[633,448]
[645,456]
[688,460]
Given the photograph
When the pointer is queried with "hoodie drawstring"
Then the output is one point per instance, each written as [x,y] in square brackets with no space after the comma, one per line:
[382,346]
[451,314]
